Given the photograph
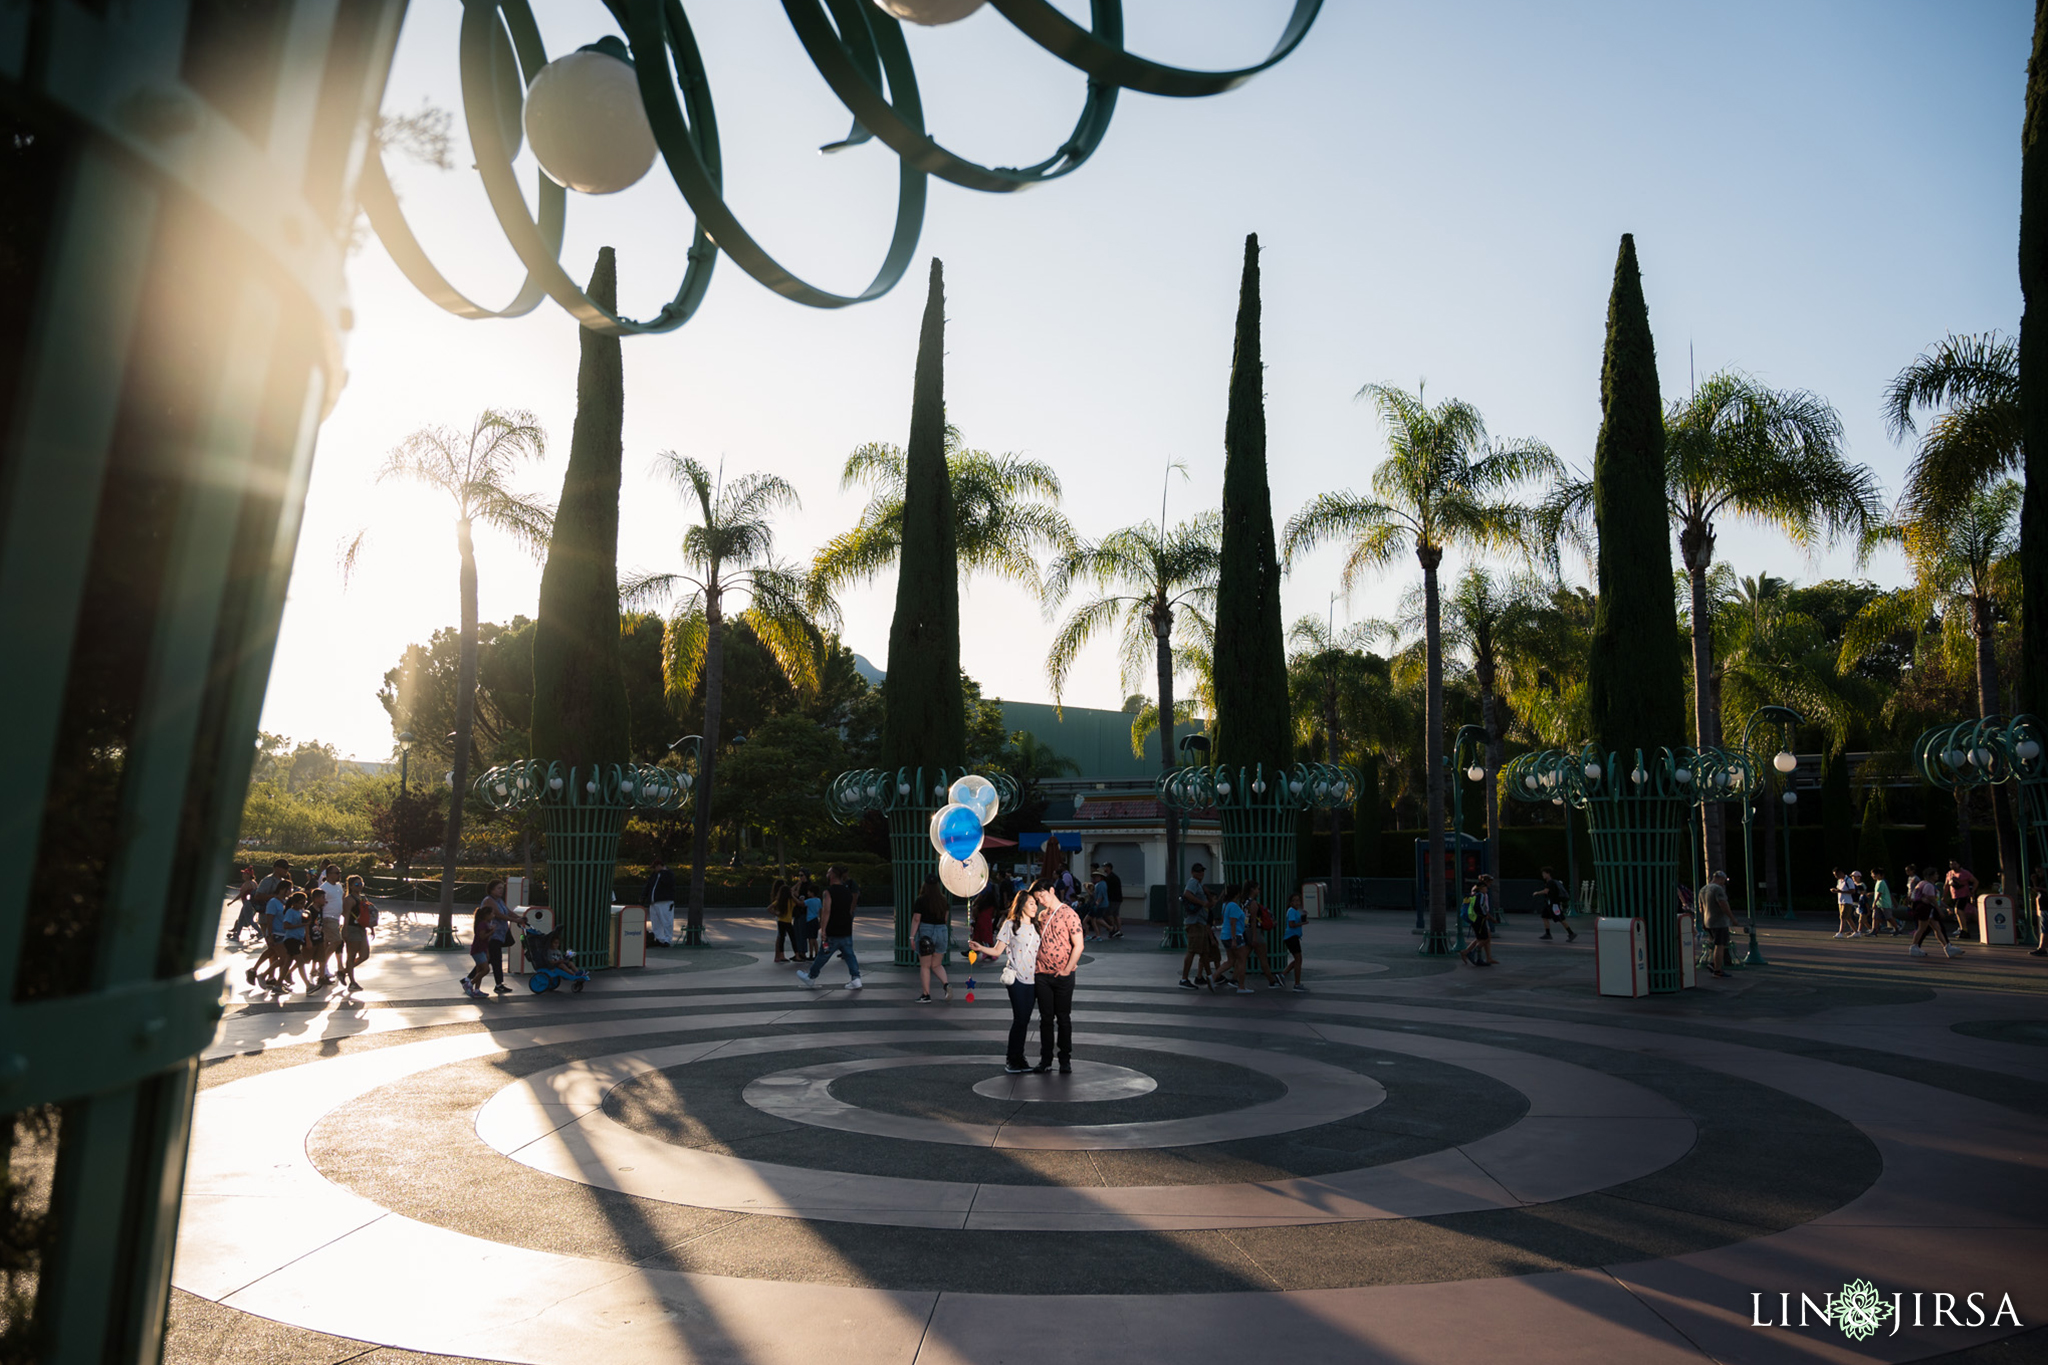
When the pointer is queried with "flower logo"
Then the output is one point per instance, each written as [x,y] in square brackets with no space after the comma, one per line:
[1860,1310]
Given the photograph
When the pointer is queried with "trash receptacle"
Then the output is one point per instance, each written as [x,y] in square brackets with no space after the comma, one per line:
[1994,918]
[1621,957]
[629,936]
[1688,954]
[1314,904]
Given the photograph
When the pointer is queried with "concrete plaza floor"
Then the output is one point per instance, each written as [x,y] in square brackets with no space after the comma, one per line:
[1416,1161]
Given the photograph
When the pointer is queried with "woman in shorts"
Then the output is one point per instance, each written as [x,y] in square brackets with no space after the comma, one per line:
[358,917]
[1290,934]
[931,929]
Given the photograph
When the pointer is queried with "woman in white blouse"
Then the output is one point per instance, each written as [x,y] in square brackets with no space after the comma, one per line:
[1017,942]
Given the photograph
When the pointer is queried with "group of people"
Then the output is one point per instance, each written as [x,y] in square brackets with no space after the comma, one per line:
[1865,905]
[323,926]
[1229,930]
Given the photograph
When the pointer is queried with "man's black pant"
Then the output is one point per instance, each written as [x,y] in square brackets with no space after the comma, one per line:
[1055,1009]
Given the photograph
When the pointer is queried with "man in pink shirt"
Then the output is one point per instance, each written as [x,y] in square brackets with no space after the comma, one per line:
[1059,952]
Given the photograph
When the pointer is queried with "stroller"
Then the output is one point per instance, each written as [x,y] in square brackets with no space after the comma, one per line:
[552,964]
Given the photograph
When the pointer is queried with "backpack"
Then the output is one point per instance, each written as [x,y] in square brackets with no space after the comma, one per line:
[1471,909]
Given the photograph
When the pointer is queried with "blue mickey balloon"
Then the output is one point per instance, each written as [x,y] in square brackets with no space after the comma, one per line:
[956,831]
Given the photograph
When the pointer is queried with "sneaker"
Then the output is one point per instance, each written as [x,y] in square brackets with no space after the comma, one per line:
[1838,933]
[1301,990]
[1546,938]
[854,984]
[1916,950]
[947,988]
[1246,990]
[502,990]
[924,1000]
[1186,984]
[1066,1068]
[1116,933]
[806,980]
[1015,1070]
[1041,1068]
[252,976]
[1953,951]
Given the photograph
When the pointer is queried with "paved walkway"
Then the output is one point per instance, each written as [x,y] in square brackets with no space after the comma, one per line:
[1414,1162]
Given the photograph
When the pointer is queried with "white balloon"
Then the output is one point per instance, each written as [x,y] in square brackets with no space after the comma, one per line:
[963,879]
[929,11]
[586,124]
[978,792]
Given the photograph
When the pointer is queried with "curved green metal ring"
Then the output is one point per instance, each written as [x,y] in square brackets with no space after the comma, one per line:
[861,30]
[1110,64]
[651,31]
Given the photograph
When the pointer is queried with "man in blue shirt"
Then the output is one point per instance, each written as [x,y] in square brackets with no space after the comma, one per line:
[1233,929]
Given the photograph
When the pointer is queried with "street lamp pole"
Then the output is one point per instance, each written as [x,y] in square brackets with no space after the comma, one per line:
[404,760]
[1476,736]
[1785,762]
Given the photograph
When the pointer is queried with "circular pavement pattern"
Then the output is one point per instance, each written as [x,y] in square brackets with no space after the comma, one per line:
[1086,1082]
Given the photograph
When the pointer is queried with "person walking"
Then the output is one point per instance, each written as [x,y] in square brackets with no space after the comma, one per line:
[782,904]
[1717,917]
[1881,904]
[1551,905]
[1259,933]
[490,931]
[931,929]
[1230,936]
[987,906]
[2037,892]
[289,936]
[1925,904]
[661,906]
[1017,940]
[814,918]
[245,914]
[1052,983]
[1478,911]
[1961,886]
[1290,934]
[1194,910]
[333,922]
[1845,905]
[1096,925]
[358,918]
[841,901]
[1114,885]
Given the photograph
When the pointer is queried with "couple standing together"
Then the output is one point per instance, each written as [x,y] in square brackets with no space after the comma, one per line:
[1039,944]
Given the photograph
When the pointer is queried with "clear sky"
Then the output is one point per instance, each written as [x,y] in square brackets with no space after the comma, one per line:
[1818,192]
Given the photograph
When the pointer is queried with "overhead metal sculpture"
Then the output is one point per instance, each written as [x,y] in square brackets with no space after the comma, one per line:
[1992,752]
[1633,815]
[858,49]
[1260,814]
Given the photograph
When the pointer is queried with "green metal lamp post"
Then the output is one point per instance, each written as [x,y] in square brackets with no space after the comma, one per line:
[1260,816]
[1991,752]
[1786,763]
[1637,821]
[1453,770]
[907,798]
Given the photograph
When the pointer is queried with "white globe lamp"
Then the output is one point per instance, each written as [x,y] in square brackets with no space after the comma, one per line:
[1784,762]
[929,12]
[585,122]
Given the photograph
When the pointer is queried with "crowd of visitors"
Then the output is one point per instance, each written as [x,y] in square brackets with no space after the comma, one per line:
[320,923]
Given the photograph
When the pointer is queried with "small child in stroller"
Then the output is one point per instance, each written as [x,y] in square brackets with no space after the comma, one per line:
[552,964]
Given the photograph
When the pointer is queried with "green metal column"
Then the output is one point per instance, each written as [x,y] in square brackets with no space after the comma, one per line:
[179,184]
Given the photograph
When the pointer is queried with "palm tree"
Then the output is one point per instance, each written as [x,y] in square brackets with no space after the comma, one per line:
[1494,620]
[1145,574]
[1738,450]
[474,472]
[1325,666]
[1976,380]
[1965,572]
[1440,486]
[1005,508]
[729,551]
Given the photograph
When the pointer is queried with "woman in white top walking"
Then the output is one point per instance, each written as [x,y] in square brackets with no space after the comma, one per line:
[1017,941]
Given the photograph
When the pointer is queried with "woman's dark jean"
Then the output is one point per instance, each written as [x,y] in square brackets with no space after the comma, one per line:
[1023,1000]
[790,932]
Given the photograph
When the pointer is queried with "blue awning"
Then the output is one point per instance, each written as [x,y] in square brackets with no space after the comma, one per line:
[1031,843]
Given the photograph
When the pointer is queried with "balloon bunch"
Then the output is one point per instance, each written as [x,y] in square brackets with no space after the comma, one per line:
[956,833]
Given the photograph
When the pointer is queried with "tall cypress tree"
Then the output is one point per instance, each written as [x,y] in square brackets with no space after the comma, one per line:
[1634,686]
[2033,576]
[924,719]
[1252,717]
[579,686]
